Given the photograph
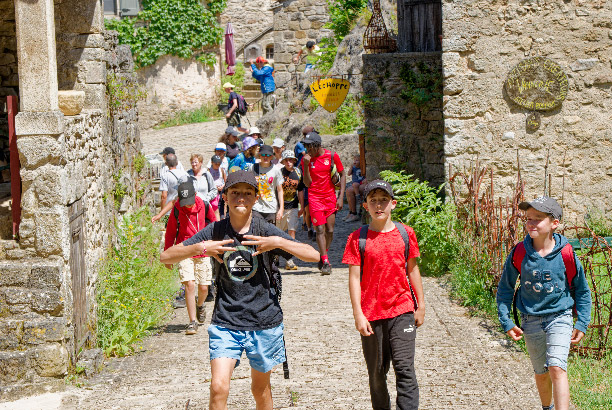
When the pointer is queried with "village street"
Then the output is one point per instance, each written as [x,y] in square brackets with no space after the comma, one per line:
[462,362]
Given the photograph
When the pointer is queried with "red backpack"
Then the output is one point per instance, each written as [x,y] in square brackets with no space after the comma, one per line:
[569,260]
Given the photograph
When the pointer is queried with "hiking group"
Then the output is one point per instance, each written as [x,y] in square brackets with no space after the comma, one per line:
[238,222]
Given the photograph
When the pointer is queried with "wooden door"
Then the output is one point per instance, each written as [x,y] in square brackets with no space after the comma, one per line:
[419,25]
[79,275]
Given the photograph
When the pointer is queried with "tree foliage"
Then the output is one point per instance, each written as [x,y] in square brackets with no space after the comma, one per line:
[184,28]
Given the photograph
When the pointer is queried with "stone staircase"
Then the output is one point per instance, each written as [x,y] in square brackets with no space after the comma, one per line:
[251,90]
[9,250]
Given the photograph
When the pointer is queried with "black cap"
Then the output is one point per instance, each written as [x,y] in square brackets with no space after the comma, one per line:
[260,141]
[168,150]
[378,184]
[544,204]
[216,159]
[186,193]
[241,177]
[266,150]
[312,138]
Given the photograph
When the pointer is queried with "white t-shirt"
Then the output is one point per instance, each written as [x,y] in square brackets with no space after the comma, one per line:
[170,181]
[269,179]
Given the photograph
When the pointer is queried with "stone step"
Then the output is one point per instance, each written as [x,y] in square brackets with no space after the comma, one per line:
[8,249]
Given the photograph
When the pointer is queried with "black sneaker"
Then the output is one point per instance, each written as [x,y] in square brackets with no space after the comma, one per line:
[192,328]
[320,264]
[326,269]
[200,313]
[179,302]
[311,235]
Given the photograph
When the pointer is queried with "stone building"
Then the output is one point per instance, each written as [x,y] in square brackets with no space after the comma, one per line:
[57,57]
[482,41]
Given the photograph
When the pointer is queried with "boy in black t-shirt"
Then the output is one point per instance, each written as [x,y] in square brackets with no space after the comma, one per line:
[292,185]
[247,314]
[232,116]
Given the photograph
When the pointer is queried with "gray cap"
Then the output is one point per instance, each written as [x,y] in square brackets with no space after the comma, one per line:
[544,204]
[378,184]
[232,131]
[312,138]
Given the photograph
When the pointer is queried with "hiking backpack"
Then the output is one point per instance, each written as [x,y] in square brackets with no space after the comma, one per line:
[335,175]
[175,212]
[569,260]
[243,106]
[363,237]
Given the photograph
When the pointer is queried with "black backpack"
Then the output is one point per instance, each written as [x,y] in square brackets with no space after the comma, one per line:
[363,236]
[243,106]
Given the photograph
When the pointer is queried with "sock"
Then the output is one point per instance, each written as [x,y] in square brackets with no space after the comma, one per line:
[325,259]
[551,407]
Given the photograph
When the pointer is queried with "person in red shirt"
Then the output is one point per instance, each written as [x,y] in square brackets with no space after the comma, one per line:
[322,201]
[387,298]
[190,215]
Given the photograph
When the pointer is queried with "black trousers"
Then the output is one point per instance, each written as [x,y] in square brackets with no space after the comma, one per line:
[393,341]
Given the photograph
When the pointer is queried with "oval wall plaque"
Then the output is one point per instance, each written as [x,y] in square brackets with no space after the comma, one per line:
[537,83]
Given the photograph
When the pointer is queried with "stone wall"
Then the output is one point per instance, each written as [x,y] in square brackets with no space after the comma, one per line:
[483,40]
[399,133]
[65,161]
[295,23]
[174,84]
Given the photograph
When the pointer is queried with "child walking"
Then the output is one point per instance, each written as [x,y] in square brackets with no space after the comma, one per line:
[387,297]
[545,263]
[247,314]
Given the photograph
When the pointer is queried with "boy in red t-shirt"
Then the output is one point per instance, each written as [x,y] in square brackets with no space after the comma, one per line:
[323,203]
[384,306]
[193,215]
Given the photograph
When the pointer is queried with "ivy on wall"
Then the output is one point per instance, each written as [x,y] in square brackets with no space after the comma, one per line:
[422,85]
[184,28]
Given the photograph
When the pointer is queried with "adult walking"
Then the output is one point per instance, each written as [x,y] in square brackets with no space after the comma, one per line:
[264,73]
[169,182]
[318,164]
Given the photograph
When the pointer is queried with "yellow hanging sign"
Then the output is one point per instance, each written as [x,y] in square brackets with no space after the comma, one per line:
[330,92]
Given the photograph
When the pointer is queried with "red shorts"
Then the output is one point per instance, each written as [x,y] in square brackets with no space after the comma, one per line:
[319,217]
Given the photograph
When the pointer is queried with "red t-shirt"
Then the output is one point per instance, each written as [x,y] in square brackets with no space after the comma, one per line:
[321,192]
[385,292]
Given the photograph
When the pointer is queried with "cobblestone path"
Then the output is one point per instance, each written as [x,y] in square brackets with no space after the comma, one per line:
[462,362]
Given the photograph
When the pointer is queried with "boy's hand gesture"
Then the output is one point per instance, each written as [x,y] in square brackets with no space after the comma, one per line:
[419,316]
[515,333]
[216,248]
[263,243]
[363,326]
[577,336]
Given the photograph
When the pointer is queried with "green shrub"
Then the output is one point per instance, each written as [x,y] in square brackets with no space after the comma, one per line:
[134,289]
[237,79]
[172,27]
[349,117]
[420,206]
[597,221]
[207,112]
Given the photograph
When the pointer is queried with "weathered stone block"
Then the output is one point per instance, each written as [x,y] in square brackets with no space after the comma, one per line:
[305,24]
[44,330]
[12,366]
[95,95]
[50,360]
[81,17]
[300,34]
[17,296]
[91,361]
[13,273]
[7,59]
[52,233]
[38,150]
[11,334]
[71,102]
[95,72]
[45,276]
[39,123]
[50,185]
[584,64]
[47,301]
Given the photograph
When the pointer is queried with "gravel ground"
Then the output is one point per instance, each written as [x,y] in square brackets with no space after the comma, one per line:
[462,362]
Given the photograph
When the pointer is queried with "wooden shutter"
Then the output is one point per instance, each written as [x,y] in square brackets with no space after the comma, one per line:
[419,25]
[110,7]
[129,7]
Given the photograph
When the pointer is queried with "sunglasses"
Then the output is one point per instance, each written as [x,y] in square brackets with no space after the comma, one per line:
[265,155]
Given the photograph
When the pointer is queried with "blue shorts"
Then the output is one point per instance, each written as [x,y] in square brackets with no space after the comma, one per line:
[264,348]
[548,339]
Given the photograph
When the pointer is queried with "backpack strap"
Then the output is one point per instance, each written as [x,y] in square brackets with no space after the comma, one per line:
[402,230]
[175,212]
[363,237]
[569,260]
[518,254]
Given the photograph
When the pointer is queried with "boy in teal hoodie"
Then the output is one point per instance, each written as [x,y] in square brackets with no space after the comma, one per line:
[545,301]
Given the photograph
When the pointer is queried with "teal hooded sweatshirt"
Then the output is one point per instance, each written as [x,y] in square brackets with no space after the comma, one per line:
[544,289]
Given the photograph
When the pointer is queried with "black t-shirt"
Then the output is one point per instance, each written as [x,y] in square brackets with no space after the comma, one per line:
[291,186]
[245,299]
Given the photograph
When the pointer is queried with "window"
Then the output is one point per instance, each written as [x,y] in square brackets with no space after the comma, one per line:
[270,52]
[110,7]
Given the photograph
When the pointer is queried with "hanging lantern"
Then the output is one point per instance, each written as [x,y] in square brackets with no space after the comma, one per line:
[376,38]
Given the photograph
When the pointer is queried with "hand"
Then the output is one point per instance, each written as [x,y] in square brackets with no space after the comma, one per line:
[577,336]
[155,218]
[279,215]
[339,203]
[419,316]
[306,159]
[251,61]
[216,248]
[263,243]
[515,333]
[300,212]
[220,188]
[228,115]
[363,326]
[295,59]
